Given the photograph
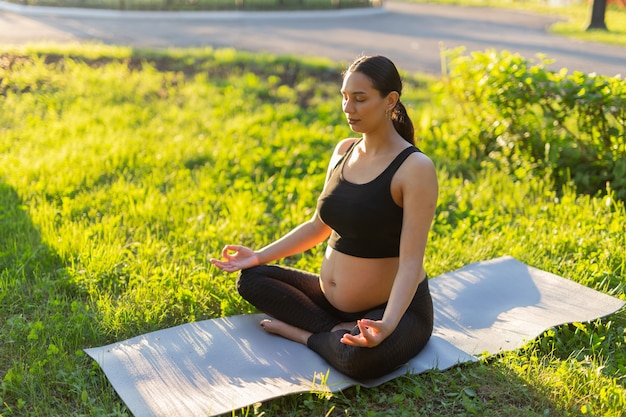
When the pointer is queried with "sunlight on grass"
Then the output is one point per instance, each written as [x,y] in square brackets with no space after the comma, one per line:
[576,14]
[577,24]
[124,171]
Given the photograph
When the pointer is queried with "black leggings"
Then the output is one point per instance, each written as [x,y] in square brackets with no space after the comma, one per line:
[295,297]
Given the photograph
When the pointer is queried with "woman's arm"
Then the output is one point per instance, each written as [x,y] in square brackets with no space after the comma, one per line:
[298,240]
[418,182]
[419,196]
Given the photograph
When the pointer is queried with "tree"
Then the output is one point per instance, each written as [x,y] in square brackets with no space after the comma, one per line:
[598,11]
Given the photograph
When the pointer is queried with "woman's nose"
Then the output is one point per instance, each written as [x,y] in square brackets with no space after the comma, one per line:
[347,106]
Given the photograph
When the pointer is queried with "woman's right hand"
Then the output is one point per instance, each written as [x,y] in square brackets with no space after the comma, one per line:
[235,258]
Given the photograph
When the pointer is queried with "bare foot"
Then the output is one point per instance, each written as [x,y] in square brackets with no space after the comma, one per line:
[346,325]
[285,330]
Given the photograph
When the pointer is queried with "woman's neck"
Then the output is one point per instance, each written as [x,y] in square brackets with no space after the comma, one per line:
[374,143]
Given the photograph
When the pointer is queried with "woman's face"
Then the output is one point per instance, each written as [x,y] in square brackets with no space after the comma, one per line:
[362,104]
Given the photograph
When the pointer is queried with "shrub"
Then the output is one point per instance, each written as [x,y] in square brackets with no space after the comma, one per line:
[517,114]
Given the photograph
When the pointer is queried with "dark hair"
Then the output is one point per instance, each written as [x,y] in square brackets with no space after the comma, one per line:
[385,78]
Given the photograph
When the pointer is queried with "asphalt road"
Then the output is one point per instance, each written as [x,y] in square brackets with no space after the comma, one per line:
[410,34]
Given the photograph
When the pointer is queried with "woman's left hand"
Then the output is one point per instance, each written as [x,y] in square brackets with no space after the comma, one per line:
[373,332]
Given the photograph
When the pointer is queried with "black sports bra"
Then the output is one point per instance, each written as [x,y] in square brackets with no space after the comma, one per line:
[366,222]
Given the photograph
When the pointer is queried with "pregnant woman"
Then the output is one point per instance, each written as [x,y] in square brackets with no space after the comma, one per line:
[369,309]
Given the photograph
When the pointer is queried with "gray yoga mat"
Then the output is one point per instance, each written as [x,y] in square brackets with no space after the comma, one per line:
[215,366]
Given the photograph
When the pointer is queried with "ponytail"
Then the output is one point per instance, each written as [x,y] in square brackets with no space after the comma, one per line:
[402,123]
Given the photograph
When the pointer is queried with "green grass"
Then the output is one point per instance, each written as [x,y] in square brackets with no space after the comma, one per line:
[575,16]
[122,172]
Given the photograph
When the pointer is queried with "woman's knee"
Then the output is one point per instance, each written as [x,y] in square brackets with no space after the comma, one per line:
[409,339]
[249,281]
[356,362]
[365,363]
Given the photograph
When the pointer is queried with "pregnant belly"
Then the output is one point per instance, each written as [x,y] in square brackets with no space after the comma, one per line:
[354,284]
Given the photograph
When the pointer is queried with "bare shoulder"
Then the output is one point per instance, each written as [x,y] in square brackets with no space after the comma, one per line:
[418,169]
[343,146]
[340,149]
[419,161]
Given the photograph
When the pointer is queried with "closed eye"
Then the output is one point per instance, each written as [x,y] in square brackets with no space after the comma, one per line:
[359,96]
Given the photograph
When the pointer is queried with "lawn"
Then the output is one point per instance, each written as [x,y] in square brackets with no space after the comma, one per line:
[123,171]
[575,14]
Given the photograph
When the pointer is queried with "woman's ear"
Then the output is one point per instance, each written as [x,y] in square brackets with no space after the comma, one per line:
[392,99]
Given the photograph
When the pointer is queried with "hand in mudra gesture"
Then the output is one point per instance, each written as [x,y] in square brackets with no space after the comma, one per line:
[373,332]
[235,258]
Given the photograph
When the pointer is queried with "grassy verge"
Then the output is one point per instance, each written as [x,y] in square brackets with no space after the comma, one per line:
[576,16]
[123,171]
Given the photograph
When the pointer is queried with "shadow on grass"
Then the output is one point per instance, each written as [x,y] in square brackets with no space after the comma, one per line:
[45,322]
[22,251]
